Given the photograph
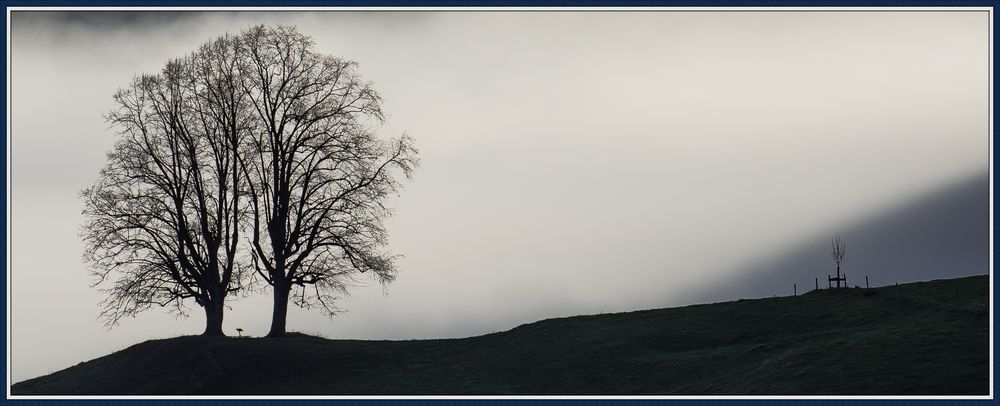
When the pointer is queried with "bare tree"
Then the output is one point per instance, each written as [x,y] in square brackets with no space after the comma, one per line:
[838,252]
[163,219]
[317,175]
[256,132]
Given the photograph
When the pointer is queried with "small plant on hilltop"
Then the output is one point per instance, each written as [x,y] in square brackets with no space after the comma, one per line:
[838,252]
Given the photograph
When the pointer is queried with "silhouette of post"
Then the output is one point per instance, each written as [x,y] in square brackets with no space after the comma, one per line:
[866,282]
[817,283]
[795,290]
[839,279]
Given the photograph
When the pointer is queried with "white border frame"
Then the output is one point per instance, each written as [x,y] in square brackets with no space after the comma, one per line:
[9,10]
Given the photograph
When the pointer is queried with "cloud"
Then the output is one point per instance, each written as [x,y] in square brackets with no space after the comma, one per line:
[573,162]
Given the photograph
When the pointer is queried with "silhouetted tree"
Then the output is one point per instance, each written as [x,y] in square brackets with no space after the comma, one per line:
[163,219]
[257,132]
[317,175]
[838,252]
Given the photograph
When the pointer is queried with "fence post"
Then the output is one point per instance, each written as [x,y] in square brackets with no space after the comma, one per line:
[829,283]
[817,283]
[795,290]
[866,282]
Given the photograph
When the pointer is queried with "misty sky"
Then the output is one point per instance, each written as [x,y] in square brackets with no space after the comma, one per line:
[572,162]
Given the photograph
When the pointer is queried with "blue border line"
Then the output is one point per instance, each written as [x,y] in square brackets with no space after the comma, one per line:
[481,3]
[3,197]
[499,3]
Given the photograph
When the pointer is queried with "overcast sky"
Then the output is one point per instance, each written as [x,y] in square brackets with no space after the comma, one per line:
[573,162]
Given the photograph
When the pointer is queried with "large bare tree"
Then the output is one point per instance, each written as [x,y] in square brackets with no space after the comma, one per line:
[163,219]
[318,176]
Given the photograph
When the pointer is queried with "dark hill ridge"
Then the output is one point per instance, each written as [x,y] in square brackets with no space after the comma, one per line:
[919,338]
[942,234]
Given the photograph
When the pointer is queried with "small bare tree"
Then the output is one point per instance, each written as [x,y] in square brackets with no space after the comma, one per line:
[838,252]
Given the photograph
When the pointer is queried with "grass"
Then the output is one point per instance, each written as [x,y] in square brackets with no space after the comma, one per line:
[929,338]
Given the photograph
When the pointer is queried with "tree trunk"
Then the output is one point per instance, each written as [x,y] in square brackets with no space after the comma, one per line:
[838,275]
[280,312]
[213,318]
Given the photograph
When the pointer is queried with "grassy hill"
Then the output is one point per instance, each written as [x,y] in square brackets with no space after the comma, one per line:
[919,338]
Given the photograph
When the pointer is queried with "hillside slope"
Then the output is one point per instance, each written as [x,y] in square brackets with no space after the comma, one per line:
[920,338]
[942,234]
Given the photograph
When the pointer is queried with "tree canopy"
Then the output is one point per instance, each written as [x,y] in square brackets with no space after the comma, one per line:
[252,158]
